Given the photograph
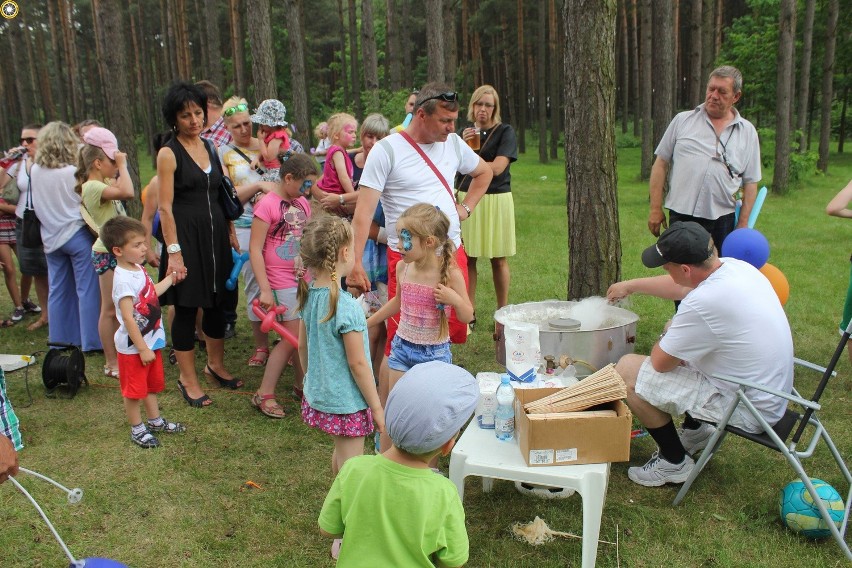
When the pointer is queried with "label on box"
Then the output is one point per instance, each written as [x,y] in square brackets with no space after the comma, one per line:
[541,457]
[566,455]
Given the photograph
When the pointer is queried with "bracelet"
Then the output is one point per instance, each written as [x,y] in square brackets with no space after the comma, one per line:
[466,208]
[341,200]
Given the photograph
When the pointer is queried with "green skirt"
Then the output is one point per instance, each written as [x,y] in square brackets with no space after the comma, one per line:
[490,231]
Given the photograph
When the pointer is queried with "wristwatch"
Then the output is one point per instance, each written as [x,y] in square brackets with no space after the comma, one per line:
[172,249]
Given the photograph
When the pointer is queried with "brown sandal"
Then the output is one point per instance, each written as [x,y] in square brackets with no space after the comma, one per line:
[267,405]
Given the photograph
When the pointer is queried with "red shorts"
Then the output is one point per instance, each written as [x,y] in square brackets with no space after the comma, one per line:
[458,330]
[138,380]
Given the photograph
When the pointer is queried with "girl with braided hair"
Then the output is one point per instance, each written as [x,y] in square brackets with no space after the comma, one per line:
[340,396]
[429,283]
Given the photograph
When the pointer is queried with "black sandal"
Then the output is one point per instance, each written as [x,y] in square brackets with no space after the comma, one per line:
[193,402]
[232,384]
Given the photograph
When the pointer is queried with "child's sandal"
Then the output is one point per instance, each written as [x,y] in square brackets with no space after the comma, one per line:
[167,427]
[267,405]
[261,354]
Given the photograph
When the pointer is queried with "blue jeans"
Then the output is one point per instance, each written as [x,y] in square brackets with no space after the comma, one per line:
[405,354]
[74,297]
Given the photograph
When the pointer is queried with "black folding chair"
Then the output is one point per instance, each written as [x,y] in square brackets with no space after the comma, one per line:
[775,437]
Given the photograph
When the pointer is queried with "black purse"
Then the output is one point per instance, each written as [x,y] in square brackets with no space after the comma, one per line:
[228,199]
[31,226]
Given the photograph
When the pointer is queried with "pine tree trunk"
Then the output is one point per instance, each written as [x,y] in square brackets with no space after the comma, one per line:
[523,91]
[708,25]
[828,84]
[260,39]
[664,68]
[214,43]
[298,80]
[110,31]
[451,50]
[786,37]
[541,81]
[59,58]
[368,50]
[623,63]
[634,66]
[677,70]
[436,70]
[646,63]
[343,70]
[556,48]
[696,78]
[139,49]
[72,70]
[354,69]
[805,76]
[594,242]
[841,133]
[44,83]
[392,56]
[17,52]
[184,59]
[237,47]
[405,42]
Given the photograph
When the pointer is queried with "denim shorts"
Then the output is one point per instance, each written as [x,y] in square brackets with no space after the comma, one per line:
[405,354]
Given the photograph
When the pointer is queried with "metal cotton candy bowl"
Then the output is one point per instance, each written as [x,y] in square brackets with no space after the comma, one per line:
[604,334]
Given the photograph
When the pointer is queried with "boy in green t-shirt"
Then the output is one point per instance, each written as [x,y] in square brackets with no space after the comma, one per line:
[392,509]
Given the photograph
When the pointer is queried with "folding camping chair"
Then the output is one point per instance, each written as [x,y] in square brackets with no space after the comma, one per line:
[775,437]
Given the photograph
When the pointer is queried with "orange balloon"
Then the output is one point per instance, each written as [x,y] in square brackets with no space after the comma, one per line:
[778,281]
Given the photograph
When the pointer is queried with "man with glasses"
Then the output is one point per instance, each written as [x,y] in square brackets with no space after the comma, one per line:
[712,153]
[418,165]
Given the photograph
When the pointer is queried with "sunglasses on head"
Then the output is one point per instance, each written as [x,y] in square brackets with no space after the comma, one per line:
[231,111]
[28,140]
[449,97]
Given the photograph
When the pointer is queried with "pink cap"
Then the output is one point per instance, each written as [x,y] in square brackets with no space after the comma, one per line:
[103,139]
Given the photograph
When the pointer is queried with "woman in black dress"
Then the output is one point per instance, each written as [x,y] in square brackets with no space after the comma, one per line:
[197,238]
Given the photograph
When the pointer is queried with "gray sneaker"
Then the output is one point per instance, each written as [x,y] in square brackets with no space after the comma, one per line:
[695,440]
[658,471]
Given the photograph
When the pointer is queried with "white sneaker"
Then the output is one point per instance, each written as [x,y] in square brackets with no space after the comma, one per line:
[658,471]
[695,440]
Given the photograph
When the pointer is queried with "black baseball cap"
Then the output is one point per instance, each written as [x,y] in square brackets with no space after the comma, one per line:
[684,242]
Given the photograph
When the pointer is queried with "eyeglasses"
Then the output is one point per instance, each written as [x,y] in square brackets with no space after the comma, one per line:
[28,140]
[448,97]
[231,111]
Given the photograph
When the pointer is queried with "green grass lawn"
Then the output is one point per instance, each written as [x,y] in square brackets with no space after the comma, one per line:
[186,504]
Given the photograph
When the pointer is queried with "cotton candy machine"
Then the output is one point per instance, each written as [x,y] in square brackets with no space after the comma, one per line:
[591,333]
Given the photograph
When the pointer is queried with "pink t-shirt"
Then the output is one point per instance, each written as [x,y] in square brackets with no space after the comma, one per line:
[330,183]
[287,221]
[285,145]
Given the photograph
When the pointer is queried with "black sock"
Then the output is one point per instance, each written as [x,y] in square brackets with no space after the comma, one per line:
[667,439]
[690,423]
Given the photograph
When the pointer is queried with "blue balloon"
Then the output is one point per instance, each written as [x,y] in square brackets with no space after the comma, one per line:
[748,245]
[100,563]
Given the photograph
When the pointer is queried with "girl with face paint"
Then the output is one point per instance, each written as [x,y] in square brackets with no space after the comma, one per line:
[279,221]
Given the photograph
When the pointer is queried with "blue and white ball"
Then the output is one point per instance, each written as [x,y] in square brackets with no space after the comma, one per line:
[800,514]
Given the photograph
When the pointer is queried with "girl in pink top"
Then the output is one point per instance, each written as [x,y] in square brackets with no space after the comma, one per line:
[429,282]
[279,219]
[270,117]
[337,171]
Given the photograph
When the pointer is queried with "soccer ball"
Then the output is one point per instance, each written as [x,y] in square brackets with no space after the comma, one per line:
[801,515]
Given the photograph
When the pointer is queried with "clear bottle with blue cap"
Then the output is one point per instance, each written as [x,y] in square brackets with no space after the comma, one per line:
[504,419]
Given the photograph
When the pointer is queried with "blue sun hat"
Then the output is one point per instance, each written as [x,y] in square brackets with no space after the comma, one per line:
[270,112]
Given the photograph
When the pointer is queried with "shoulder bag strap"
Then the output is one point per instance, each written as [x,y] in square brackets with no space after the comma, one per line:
[258,169]
[29,203]
[428,162]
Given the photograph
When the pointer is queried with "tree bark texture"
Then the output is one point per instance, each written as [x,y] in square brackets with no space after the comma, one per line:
[696,78]
[111,32]
[237,46]
[805,74]
[783,95]
[435,41]
[828,84]
[623,64]
[556,48]
[354,69]
[594,243]
[634,66]
[646,64]
[301,116]
[451,50]
[263,60]
[541,81]
[522,90]
[392,57]
[664,68]
[214,44]
[368,51]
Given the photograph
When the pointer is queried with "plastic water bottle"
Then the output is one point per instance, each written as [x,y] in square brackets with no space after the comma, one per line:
[504,420]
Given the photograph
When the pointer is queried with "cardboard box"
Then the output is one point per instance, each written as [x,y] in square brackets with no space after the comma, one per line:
[572,441]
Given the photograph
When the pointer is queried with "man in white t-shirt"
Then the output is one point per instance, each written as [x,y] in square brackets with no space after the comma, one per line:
[729,322]
[400,176]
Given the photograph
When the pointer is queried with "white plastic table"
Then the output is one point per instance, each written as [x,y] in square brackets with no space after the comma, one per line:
[479,452]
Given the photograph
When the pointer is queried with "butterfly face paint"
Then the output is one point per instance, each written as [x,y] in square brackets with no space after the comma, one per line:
[306,187]
[405,236]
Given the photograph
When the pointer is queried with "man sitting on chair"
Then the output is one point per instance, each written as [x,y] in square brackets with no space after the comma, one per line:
[729,322]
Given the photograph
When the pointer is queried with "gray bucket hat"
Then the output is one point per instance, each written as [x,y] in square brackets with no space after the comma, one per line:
[270,112]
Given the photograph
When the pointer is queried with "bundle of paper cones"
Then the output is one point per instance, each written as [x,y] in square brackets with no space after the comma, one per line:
[601,387]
